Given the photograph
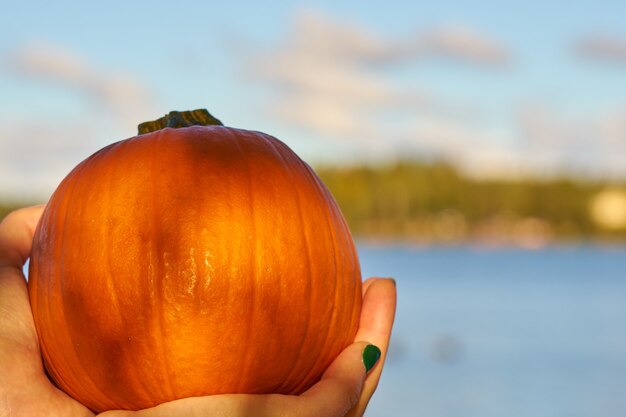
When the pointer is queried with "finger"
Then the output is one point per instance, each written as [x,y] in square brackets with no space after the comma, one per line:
[226,405]
[16,235]
[341,384]
[223,405]
[368,282]
[377,315]
[378,311]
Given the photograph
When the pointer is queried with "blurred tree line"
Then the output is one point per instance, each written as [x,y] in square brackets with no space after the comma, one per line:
[435,202]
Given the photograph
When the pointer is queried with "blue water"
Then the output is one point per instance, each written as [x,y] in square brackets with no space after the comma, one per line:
[504,333]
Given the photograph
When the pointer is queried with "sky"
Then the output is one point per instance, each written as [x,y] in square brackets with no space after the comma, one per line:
[497,88]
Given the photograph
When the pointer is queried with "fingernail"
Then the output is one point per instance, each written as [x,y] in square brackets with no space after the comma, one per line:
[371,354]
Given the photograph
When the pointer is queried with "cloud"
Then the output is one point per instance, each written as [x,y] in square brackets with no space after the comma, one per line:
[601,49]
[340,82]
[336,78]
[463,44]
[325,58]
[476,149]
[590,144]
[119,94]
[540,141]
[36,154]
[323,117]
[322,36]
[298,73]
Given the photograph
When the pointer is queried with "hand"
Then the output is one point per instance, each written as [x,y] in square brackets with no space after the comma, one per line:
[25,389]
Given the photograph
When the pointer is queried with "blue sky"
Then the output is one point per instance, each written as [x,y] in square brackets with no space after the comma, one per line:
[530,88]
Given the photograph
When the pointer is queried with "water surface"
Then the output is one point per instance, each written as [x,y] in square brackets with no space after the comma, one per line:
[504,332]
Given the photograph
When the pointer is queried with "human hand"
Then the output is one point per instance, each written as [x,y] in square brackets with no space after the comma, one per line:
[26,390]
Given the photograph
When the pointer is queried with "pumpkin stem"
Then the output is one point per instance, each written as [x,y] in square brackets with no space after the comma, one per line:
[176,119]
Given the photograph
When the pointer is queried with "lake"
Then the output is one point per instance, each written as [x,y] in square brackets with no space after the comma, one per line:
[504,332]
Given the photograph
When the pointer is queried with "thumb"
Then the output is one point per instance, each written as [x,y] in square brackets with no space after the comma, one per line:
[16,236]
[340,387]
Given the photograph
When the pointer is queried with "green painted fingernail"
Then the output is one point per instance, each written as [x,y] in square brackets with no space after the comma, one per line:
[371,354]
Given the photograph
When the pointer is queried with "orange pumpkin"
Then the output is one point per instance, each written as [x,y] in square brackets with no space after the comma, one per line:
[191,261]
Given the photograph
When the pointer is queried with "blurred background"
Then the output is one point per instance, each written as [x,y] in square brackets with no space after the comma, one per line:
[477,149]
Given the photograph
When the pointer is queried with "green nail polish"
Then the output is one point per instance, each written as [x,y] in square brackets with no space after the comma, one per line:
[371,354]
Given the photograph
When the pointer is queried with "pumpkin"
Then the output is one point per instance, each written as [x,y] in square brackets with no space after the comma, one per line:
[192,259]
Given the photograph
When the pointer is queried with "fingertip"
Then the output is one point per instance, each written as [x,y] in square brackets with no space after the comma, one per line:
[375,281]
[378,313]
[381,288]
[367,283]
[16,235]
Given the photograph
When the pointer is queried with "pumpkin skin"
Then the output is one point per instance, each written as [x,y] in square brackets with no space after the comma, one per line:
[188,262]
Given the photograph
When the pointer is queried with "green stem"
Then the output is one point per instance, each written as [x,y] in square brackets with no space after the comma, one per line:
[177,119]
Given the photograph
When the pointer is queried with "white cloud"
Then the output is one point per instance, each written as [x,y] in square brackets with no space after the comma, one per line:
[121,95]
[583,144]
[321,35]
[463,44]
[601,49]
[336,80]
[542,141]
[36,154]
[339,81]
[325,58]
[476,149]
[322,116]
[323,53]
[300,73]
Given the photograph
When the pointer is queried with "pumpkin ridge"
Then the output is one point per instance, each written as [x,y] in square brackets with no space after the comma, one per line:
[354,257]
[102,274]
[246,359]
[309,291]
[157,291]
[331,324]
[60,274]
[70,189]
[71,201]
[134,375]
